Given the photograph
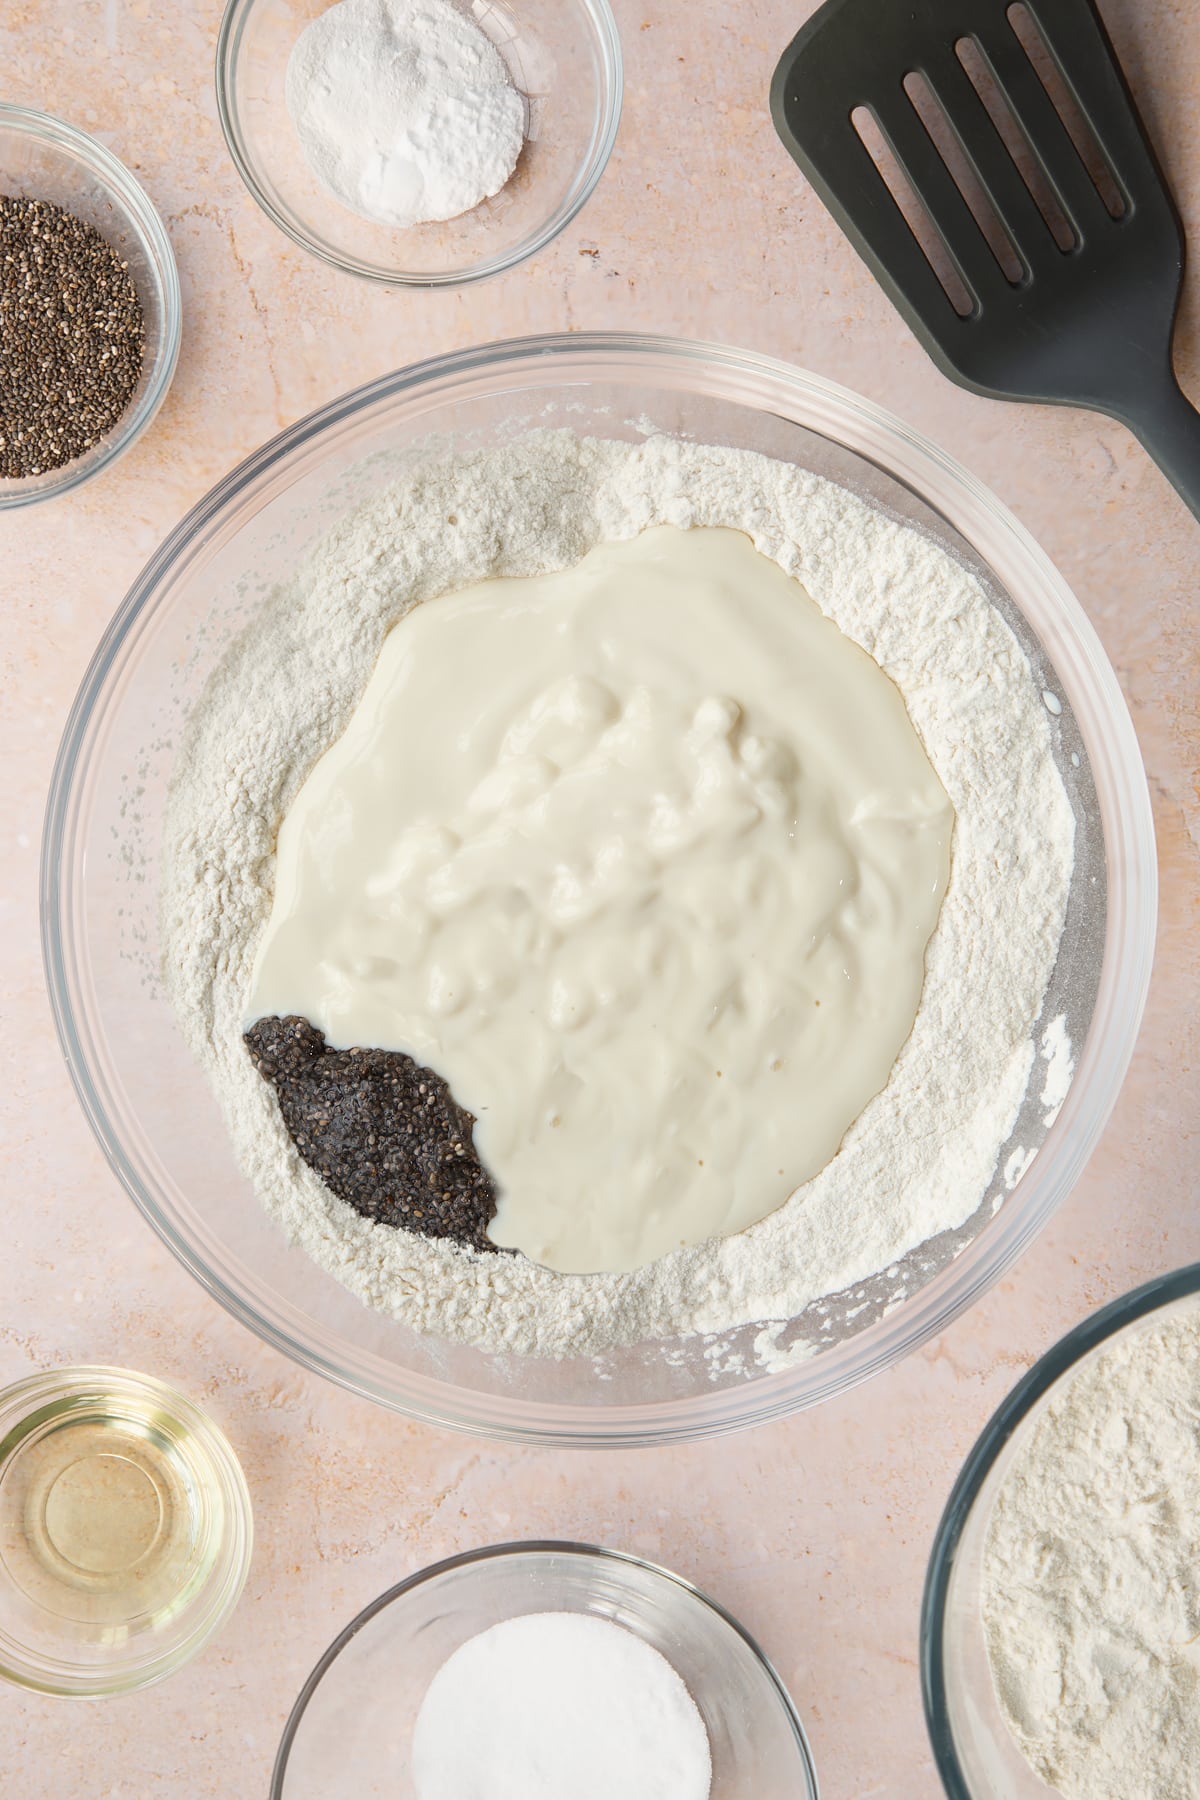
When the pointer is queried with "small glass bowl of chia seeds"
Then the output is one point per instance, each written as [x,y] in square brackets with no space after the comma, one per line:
[81,381]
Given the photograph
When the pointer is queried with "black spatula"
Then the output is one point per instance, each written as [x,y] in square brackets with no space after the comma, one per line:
[1045,256]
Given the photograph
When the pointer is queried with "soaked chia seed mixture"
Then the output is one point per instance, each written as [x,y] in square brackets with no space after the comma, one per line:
[384,1134]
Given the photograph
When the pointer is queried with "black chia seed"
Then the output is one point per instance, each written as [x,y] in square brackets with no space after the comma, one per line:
[72,337]
[383,1134]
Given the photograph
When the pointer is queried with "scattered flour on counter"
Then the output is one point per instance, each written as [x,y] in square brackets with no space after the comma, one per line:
[1091,1588]
[919,1158]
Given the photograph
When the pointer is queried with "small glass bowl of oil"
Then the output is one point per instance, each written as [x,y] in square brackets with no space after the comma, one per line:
[125,1531]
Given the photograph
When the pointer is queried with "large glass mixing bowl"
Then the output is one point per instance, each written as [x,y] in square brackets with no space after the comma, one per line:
[151,1108]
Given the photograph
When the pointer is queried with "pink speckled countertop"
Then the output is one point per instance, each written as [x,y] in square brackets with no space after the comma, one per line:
[815,1531]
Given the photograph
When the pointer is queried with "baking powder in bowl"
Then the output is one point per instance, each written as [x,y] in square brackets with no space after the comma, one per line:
[559,1706]
[404,109]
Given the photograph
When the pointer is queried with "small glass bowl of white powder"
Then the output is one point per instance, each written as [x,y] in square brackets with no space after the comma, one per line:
[407,1698]
[1062,1613]
[420,143]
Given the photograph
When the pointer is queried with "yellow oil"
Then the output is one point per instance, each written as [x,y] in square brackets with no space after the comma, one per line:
[102,1515]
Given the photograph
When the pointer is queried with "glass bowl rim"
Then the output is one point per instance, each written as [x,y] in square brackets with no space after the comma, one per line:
[608,120]
[223,1588]
[541,1547]
[1050,1368]
[47,128]
[910,459]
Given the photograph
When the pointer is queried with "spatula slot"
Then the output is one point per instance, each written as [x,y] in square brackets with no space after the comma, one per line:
[979,74]
[916,217]
[1062,98]
[932,115]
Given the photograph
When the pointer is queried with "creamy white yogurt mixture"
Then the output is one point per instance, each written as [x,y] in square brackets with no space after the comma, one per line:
[920,1157]
[641,857]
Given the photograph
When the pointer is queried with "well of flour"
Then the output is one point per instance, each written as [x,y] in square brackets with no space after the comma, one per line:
[919,1158]
[1091,1593]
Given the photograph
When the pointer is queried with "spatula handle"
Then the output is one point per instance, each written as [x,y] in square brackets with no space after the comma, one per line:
[1166,423]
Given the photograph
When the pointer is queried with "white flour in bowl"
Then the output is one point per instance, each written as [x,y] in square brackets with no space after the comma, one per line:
[919,1158]
[1091,1598]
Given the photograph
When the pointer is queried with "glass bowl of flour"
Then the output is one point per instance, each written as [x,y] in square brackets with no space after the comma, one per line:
[1021,1039]
[363,1718]
[420,145]
[1060,1619]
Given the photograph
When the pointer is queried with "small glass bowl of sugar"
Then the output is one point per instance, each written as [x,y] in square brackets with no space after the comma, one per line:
[339,139]
[517,1657]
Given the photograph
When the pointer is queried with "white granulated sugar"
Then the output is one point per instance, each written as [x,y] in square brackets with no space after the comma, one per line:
[919,1158]
[1091,1601]
[559,1706]
[404,109]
